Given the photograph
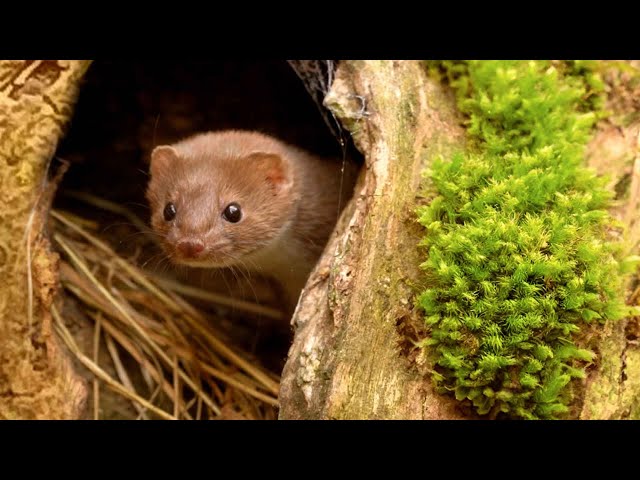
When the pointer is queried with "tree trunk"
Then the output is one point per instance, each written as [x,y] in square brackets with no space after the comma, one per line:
[353,356]
[36,378]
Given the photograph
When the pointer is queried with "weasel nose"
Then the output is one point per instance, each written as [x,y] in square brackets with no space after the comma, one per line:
[190,248]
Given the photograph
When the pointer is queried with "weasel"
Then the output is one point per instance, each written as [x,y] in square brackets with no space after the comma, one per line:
[242,198]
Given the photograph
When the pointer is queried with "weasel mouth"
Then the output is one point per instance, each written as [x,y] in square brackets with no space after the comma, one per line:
[194,253]
[197,257]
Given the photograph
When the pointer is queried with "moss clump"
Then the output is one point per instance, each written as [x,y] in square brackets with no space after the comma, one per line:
[518,255]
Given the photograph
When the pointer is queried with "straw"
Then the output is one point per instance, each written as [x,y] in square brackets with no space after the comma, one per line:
[182,357]
[101,374]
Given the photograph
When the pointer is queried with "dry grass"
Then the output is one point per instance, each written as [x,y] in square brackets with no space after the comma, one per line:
[168,359]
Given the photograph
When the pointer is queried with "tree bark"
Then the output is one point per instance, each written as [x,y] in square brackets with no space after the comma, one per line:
[347,359]
[612,389]
[353,356]
[36,378]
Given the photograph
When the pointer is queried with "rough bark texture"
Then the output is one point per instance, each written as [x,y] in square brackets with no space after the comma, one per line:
[347,360]
[36,379]
[352,356]
[612,390]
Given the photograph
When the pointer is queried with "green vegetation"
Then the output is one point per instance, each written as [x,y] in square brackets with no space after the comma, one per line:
[518,252]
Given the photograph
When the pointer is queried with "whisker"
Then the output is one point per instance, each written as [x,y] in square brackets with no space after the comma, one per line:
[229,290]
[139,205]
[247,275]
[161,254]
[233,272]
[155,128]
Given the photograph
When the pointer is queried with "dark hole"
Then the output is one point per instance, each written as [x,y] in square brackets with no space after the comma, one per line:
[126,108]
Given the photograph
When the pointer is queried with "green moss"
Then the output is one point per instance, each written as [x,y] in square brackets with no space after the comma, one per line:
[517,251]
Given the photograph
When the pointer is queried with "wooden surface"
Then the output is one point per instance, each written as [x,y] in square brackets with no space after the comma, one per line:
[36,102]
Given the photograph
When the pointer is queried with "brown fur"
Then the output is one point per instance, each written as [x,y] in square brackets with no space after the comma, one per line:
[289,201]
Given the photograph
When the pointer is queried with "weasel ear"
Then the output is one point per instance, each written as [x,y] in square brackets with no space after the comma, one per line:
[275,169]
[161,158]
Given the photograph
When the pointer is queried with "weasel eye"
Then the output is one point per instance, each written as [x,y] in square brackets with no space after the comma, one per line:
[232,213]
[169,212]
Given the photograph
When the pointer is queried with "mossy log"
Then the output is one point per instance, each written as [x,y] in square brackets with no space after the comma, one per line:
[353,356]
